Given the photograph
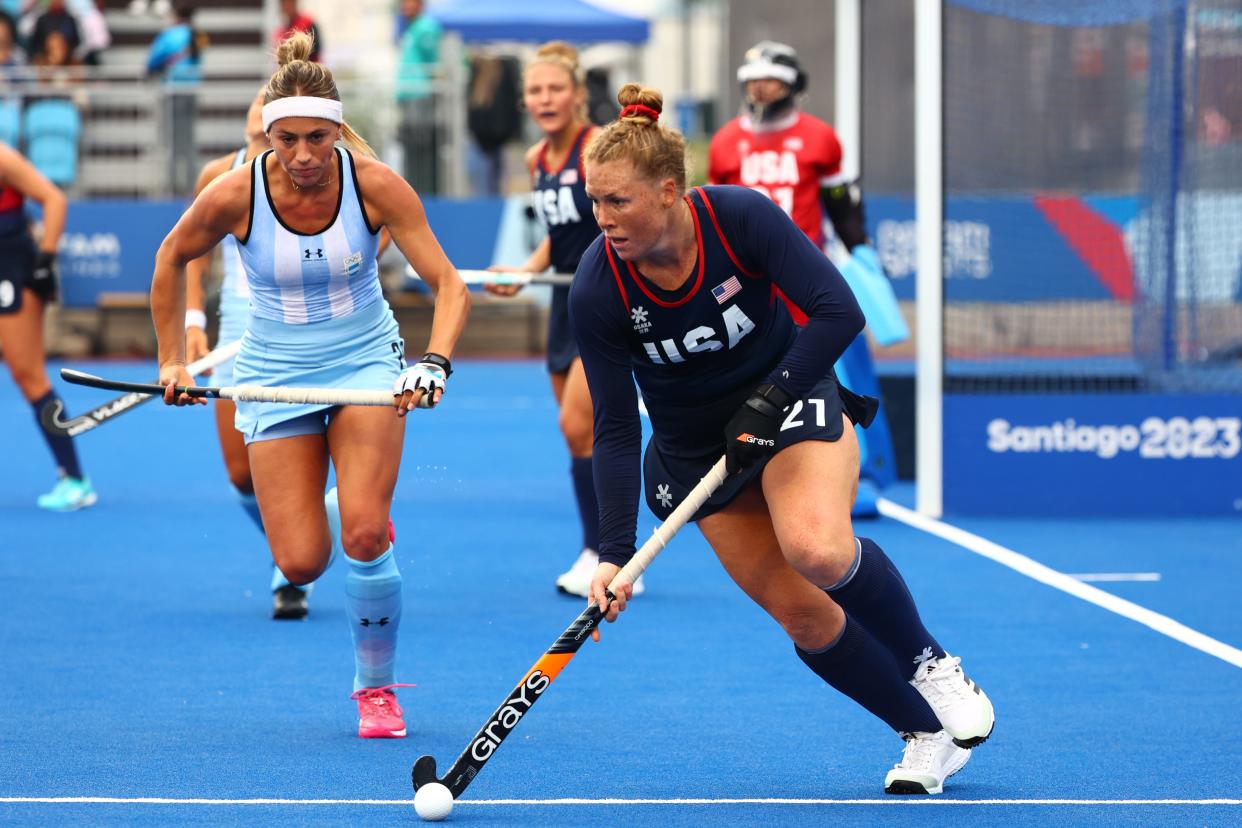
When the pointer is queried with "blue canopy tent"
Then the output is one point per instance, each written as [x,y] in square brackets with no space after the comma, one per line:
[478,21]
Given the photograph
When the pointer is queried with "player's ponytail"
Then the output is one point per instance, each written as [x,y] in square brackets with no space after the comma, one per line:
[638,136]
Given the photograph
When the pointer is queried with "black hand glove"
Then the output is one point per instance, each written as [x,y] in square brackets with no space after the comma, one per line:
[43,279]
[750,435]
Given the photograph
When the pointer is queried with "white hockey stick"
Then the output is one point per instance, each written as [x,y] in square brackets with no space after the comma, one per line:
[247,393]
[517,277]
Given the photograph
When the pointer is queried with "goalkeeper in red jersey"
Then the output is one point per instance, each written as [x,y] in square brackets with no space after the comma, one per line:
[794,158]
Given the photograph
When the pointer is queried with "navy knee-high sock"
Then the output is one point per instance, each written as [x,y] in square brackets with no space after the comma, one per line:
[863,669]
[875,594]
[588,506]
[62,447]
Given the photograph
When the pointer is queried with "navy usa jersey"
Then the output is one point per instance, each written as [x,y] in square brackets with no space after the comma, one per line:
[560,199]
[697,352]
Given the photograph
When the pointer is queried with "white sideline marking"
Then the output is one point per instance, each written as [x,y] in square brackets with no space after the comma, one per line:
[151,800]
[1109,577]
[1066,583]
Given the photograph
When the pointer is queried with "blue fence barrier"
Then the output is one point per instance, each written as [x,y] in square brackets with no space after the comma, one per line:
[109,246]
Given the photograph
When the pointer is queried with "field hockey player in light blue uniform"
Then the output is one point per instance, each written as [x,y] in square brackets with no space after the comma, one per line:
[288,601]
[307,217]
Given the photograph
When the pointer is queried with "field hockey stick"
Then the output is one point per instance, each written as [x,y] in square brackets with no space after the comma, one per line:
[527,691]
[50,419]
[516,277]
[247,393]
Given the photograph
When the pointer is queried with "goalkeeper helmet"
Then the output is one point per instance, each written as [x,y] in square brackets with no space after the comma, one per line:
[768,59]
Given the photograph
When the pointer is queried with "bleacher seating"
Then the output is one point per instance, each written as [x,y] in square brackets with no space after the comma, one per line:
[121,151]
[50,128]
[10,122]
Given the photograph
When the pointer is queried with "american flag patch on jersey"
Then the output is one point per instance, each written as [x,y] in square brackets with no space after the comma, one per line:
[570,176]
[725,289]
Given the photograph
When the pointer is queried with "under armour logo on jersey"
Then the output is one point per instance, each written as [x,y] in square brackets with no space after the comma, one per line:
[306,253]
[366,622]
[664,496]
[639,315]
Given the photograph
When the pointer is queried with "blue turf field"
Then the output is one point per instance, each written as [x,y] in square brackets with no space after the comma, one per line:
[139,660]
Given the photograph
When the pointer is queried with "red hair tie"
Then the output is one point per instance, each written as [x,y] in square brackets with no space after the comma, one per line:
[640,109]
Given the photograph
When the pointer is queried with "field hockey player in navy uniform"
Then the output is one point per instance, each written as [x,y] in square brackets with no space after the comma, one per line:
[307,217]
[679,294]
[554,93]
[28,282]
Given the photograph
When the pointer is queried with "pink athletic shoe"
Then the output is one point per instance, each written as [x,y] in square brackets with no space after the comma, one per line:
[379,715]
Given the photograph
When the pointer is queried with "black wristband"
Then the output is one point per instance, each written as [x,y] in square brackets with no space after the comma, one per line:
[442,361]
[774,394]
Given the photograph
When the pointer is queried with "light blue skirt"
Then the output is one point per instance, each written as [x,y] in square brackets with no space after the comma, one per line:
[361,351]
[234,313]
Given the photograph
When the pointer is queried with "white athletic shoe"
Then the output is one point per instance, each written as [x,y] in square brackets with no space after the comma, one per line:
[928,760]
[577,579]
[962,707]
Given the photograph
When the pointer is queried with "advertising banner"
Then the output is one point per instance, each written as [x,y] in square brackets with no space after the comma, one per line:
[109,246]
[1093,454]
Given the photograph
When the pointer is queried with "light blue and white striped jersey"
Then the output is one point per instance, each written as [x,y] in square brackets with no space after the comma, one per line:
[297,278]
[235,285]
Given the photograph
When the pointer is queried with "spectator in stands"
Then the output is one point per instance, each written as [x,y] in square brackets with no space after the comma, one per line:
[10,53]
[54,64]
[296,21]
[176,56]
[55,19]
[420,53]
[94,29]
[176,52]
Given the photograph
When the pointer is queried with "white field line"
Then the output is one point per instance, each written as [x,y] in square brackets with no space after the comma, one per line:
[893,801]
[1114,577]
[1066,583]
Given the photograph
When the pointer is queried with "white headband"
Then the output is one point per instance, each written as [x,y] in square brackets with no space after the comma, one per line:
[301,106]
[760,70]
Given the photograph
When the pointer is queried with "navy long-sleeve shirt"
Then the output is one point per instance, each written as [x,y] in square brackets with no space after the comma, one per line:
[697,352]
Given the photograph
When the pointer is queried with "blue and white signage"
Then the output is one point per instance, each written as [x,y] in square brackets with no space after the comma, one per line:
[1093,454]
[109,246]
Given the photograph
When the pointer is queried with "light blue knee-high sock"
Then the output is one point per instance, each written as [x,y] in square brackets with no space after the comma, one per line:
[373,606]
